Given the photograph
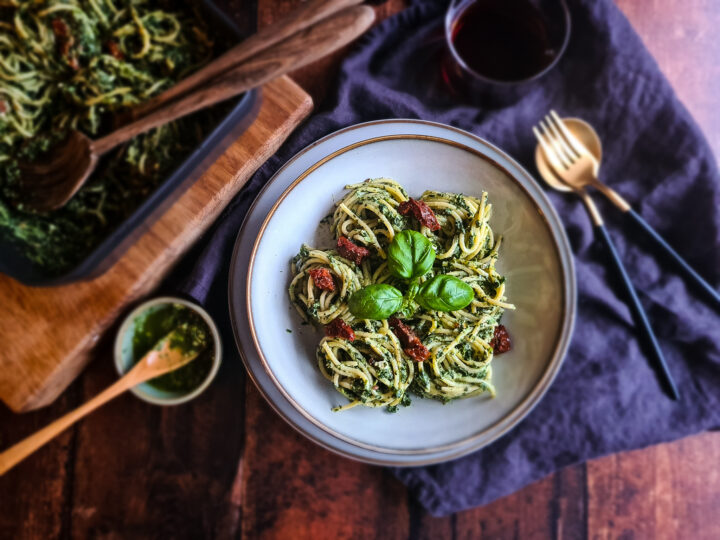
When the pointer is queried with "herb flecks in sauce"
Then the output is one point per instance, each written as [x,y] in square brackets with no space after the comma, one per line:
[191,336]
[64,66]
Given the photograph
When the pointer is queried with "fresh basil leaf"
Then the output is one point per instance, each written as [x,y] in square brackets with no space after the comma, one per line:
[410,255]
[445,293]
[377,302]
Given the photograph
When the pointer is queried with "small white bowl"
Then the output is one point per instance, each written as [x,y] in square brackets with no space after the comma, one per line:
[124,360]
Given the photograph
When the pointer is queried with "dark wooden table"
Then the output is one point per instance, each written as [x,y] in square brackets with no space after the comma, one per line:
[227,466]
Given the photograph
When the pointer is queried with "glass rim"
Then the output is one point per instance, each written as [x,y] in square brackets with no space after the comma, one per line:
[450,18]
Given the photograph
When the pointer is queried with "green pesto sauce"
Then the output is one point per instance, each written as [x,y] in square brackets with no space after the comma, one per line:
[193,335]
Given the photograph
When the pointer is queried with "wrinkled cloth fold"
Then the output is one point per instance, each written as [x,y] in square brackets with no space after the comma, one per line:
[606,397]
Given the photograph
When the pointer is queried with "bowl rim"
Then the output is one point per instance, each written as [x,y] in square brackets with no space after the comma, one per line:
[555,229]
[138,390]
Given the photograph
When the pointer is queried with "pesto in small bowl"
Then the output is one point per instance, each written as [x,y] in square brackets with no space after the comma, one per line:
[152,321]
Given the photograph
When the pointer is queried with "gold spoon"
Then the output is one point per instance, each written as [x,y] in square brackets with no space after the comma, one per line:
[588,138]
[586,135]
[561,170]
[585,149]
[579,129]
[165,357]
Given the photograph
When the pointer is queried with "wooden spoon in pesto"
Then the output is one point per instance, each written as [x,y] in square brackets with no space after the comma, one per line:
[178,348]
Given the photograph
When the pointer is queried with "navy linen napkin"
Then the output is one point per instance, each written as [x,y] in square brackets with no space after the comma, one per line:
[606,397]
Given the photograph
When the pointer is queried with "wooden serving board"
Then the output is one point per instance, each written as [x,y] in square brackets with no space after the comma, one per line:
[47,334]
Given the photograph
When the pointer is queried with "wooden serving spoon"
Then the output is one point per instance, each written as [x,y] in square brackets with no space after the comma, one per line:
[299,19]
[162,359]
[49,184]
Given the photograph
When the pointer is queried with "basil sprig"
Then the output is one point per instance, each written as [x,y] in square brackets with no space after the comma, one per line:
[410,256]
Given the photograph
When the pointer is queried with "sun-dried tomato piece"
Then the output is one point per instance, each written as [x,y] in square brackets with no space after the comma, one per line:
[420,211]
[322,278]
[341,329]
[3,106]
[412,345]
[351,251]
[114,50]
[501,340]
[404,333]
[65,42]
[60,29]
[419,353]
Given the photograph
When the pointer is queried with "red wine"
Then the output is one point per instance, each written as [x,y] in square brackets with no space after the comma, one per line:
[505,40]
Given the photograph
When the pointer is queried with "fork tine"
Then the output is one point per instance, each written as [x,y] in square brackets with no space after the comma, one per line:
[572,155]
[579,147]
[548,151]
[566,163]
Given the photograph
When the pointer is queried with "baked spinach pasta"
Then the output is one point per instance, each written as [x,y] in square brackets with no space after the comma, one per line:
[410,298]
[82,65]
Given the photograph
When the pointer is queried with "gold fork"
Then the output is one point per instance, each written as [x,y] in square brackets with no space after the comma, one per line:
[573,165]
[583,171]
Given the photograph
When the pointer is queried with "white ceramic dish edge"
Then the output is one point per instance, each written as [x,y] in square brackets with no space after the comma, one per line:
[404,126]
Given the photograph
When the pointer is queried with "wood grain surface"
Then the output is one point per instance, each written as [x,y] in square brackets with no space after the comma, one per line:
[48,333]
[226,466]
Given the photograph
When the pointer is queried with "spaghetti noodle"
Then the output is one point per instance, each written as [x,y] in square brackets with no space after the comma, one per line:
[372,371]
[459,343]
[322,306]
[368,215]
[75,64]
[464,230]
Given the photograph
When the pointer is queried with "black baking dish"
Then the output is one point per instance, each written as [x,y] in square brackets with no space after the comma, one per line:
[14,264]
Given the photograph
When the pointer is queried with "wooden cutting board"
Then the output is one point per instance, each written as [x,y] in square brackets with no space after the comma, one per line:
[47,334]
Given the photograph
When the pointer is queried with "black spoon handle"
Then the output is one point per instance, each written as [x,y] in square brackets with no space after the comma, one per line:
[709,292]
[639,312]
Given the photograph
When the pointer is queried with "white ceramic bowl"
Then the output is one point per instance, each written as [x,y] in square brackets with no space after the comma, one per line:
[124,360]
[535,257]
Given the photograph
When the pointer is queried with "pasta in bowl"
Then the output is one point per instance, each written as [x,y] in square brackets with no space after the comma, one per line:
[379,311]
[365,353]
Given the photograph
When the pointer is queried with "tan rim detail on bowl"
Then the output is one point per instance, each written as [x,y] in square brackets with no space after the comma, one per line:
[530,400]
